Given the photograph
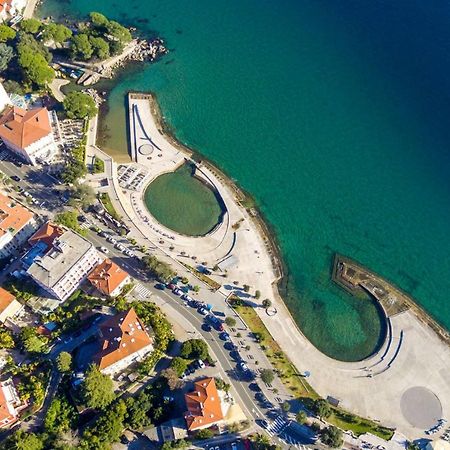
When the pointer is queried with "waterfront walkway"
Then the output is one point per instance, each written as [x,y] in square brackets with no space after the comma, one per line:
[412,356]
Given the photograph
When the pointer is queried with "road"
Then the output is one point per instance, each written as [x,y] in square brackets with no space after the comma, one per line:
[45,189]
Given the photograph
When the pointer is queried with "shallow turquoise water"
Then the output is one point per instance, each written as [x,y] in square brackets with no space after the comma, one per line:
[182,203]
[334,115]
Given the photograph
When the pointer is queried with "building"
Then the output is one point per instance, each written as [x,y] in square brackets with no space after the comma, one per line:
[10,8]
[17,224]
[28,134]
[124,340]
[65,261]
[108,278]
[10,404]
[9,306]
[204,407]
[4,97]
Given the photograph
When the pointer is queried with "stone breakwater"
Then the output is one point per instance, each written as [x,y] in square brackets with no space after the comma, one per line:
[144,50]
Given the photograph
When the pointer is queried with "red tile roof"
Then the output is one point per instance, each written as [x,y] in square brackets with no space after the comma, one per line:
[203,405]
[13,216]
[122,335]
[23,128]
[47,233]
[6,298]
[107,276]
[4,410]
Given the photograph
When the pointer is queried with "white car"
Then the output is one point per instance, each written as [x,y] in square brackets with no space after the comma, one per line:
[243,366]
[111,239]
[104,250]
[201,364]
[119,247]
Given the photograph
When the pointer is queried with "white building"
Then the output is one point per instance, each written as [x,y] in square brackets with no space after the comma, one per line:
[9,306]
[66,263]
[124,341]
[28,134]
[10,8]
[10,404]
[4,98]
[17,224]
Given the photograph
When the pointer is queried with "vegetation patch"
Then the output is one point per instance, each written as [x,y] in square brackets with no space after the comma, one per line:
[107,204]
[201,276]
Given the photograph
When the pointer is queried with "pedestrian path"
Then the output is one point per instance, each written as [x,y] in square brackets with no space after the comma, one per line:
[141,291]
[277,426]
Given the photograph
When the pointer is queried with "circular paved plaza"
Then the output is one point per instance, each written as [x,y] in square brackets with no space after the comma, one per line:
[420,407]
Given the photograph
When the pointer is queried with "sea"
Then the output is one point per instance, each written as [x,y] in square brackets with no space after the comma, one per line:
[334,115]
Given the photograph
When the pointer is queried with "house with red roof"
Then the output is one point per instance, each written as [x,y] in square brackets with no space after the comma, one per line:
[10,8]
[28,133]
[124,340]
[9,306]
[108,278]
[10,404]
[204,406]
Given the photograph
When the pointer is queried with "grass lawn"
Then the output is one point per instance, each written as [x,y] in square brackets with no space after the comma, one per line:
[299,386]
[106,202]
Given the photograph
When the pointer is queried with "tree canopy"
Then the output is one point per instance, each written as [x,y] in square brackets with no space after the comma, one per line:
[70,220]
[179,365]
[100,47]
[332,437]
[267,376]
[56,32]
[159,269]
[34,67]
[81,46]
[6,339]
[30,25]
[194,348]
[79,105]
[6,55]
[98,20]
[64,362]
[322,408]
[118,32]
[6,33]
[97,389]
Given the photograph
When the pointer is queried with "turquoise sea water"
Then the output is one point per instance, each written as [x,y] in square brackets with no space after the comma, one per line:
[334,115]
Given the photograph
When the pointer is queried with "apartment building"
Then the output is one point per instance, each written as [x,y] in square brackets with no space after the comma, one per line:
[65,263]
[17,224]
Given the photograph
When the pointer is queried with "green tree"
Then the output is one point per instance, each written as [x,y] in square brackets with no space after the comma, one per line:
[98,20]
[173,381]
[194,348]
[267,376]
[115,47]
[118,32]
[286,406]
[70,220]
[31,341]
[73,171]
[64,362]
[179,444]
[81,47]
[159,269]
[230,321]
[83,193]
[24,440]
[106,430]
[100,47]
[6,339]
[6,33]
[301,417]
[222,385]
[34,67]
[79,105]
[28,41]
[6,55]
[266,303]
[332,437]
[246,288]
[30,25]
[205,433]
[97,389]
[257,294]
[60,416]
[179,365]
[56,32]
[322,408]
[137,408]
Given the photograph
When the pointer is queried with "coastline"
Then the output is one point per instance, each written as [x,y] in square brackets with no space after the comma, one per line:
[365,387]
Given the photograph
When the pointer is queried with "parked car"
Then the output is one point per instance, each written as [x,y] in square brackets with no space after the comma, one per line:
[224,336]
[201,364]
[206,327]
[15,178]
[243,366]
[119,247]
[202,311]
[104,250]
[160,286]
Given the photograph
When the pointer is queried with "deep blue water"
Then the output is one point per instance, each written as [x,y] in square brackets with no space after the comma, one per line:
[334,115]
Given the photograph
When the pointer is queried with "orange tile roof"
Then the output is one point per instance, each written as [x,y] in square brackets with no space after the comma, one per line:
[22,127]
[47,233]
[13,216]
[6,298]
[203,405]
[122,335]
[4,410]
[107,276]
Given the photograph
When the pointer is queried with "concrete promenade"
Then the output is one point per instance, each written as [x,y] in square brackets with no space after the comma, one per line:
[411,357]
